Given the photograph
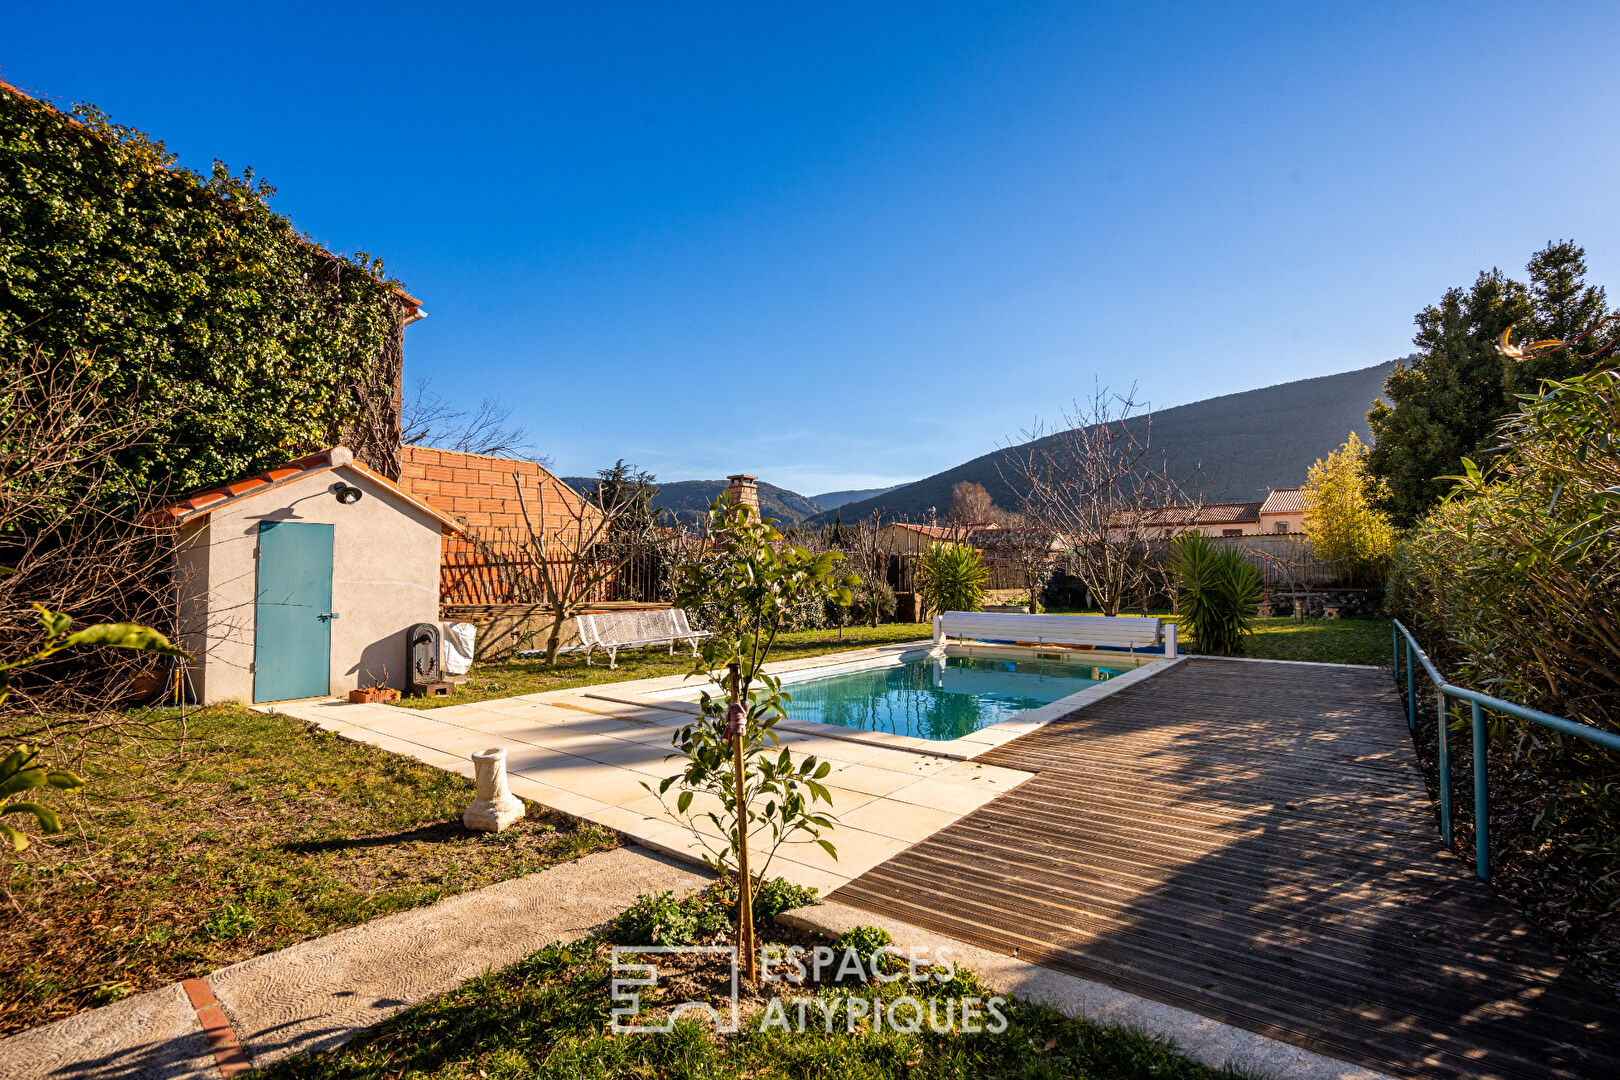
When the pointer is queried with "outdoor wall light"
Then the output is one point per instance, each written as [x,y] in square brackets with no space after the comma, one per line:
[347,494]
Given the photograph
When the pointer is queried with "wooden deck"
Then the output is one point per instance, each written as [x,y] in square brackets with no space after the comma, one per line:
[1253,842]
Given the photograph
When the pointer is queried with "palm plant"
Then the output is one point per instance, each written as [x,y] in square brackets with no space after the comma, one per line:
[1219,592]
[951,577]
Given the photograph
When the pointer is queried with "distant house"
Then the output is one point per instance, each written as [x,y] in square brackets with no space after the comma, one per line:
[904,538]
[997,542]
[1282,511]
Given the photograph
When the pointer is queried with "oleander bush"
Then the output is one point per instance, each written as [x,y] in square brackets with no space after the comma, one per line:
[1515,578]
[1512,584]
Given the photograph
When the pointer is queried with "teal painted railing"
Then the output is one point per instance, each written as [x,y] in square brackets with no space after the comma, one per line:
[1477,703]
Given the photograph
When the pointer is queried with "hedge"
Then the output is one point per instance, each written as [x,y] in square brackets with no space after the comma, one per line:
[236,341]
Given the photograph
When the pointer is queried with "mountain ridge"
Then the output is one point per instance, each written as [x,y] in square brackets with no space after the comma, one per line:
[686,499]
[1245,443]
[832,500]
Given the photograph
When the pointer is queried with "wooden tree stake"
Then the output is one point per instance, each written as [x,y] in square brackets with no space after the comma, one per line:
[745,884]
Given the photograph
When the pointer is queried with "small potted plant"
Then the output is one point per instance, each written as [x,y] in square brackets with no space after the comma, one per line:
[378,691]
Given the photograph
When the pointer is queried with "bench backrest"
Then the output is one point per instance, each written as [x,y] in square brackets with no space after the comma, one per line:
[1118,631]
[619,627]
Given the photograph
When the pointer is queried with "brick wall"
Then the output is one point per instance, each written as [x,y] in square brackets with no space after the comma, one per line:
[479,491]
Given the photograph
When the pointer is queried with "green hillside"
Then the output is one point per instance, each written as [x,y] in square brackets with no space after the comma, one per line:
[689,498]
[1243,444]
[832,500]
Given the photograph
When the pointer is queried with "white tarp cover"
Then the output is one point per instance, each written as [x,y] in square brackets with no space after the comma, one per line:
[458,646]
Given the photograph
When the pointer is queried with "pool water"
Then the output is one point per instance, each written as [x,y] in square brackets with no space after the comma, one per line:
[938,697]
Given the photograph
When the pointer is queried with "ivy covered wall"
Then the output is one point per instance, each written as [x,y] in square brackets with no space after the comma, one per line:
[238,342]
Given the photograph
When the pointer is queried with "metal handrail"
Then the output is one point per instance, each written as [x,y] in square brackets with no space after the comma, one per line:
[1477,703]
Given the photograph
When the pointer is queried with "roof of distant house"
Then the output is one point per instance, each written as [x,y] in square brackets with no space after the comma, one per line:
[1237,513]
[1019,537]
[206,502]
[944,532]
[1284,501]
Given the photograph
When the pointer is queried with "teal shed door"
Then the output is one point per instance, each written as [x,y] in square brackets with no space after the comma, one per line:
[292,612]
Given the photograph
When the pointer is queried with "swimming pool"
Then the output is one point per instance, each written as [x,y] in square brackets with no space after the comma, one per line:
[940,698]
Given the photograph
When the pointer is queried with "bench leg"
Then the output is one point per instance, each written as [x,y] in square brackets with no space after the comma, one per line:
[588,650]
[613,658]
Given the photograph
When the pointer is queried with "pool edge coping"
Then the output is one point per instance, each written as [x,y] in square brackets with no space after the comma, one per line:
[966,748]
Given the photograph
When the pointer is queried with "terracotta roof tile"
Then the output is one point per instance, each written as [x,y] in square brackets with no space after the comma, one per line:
[1210,514]
[1284,501]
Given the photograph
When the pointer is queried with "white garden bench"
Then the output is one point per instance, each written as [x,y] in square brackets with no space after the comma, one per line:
[611,631]
[1090,631]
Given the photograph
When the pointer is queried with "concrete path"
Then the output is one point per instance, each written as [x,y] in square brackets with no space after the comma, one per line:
[321,993]
[589,751]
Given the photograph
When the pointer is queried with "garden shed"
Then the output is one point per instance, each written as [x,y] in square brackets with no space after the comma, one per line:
[304,580]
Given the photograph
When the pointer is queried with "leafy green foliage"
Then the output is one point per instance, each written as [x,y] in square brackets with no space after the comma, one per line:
[1445,405]
[226,333]
[754,579]
[864,940]
[1219,592]
[1343,524]
[660,919]
[1513,585]
[772,896]
[21,771]
[230,921]
[56,625]
[951,577]
[874,601]
[1517,575]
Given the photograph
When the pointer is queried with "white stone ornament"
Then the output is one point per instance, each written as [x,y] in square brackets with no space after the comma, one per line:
[495,807]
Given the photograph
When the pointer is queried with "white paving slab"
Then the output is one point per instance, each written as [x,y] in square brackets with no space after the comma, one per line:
[594,752]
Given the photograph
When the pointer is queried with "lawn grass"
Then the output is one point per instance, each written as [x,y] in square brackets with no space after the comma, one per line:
[202,842]
[511,678]
[1359,640]
[548,1016]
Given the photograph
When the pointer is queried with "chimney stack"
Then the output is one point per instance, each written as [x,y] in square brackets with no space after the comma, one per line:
[743,489]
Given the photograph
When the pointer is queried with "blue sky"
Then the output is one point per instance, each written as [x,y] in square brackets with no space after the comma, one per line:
[842,247]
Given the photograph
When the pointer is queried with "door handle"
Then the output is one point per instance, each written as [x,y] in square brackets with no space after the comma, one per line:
[327,616]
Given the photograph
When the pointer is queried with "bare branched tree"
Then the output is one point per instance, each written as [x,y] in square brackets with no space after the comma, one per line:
[569,553]
[867,557]
[1101,483]
[1033,551]
[71,537]
[429,419]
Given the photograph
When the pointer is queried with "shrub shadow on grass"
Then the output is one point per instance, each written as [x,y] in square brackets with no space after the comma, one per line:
[438,832]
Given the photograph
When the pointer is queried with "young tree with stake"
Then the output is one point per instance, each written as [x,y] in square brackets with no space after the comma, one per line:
[757,793]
